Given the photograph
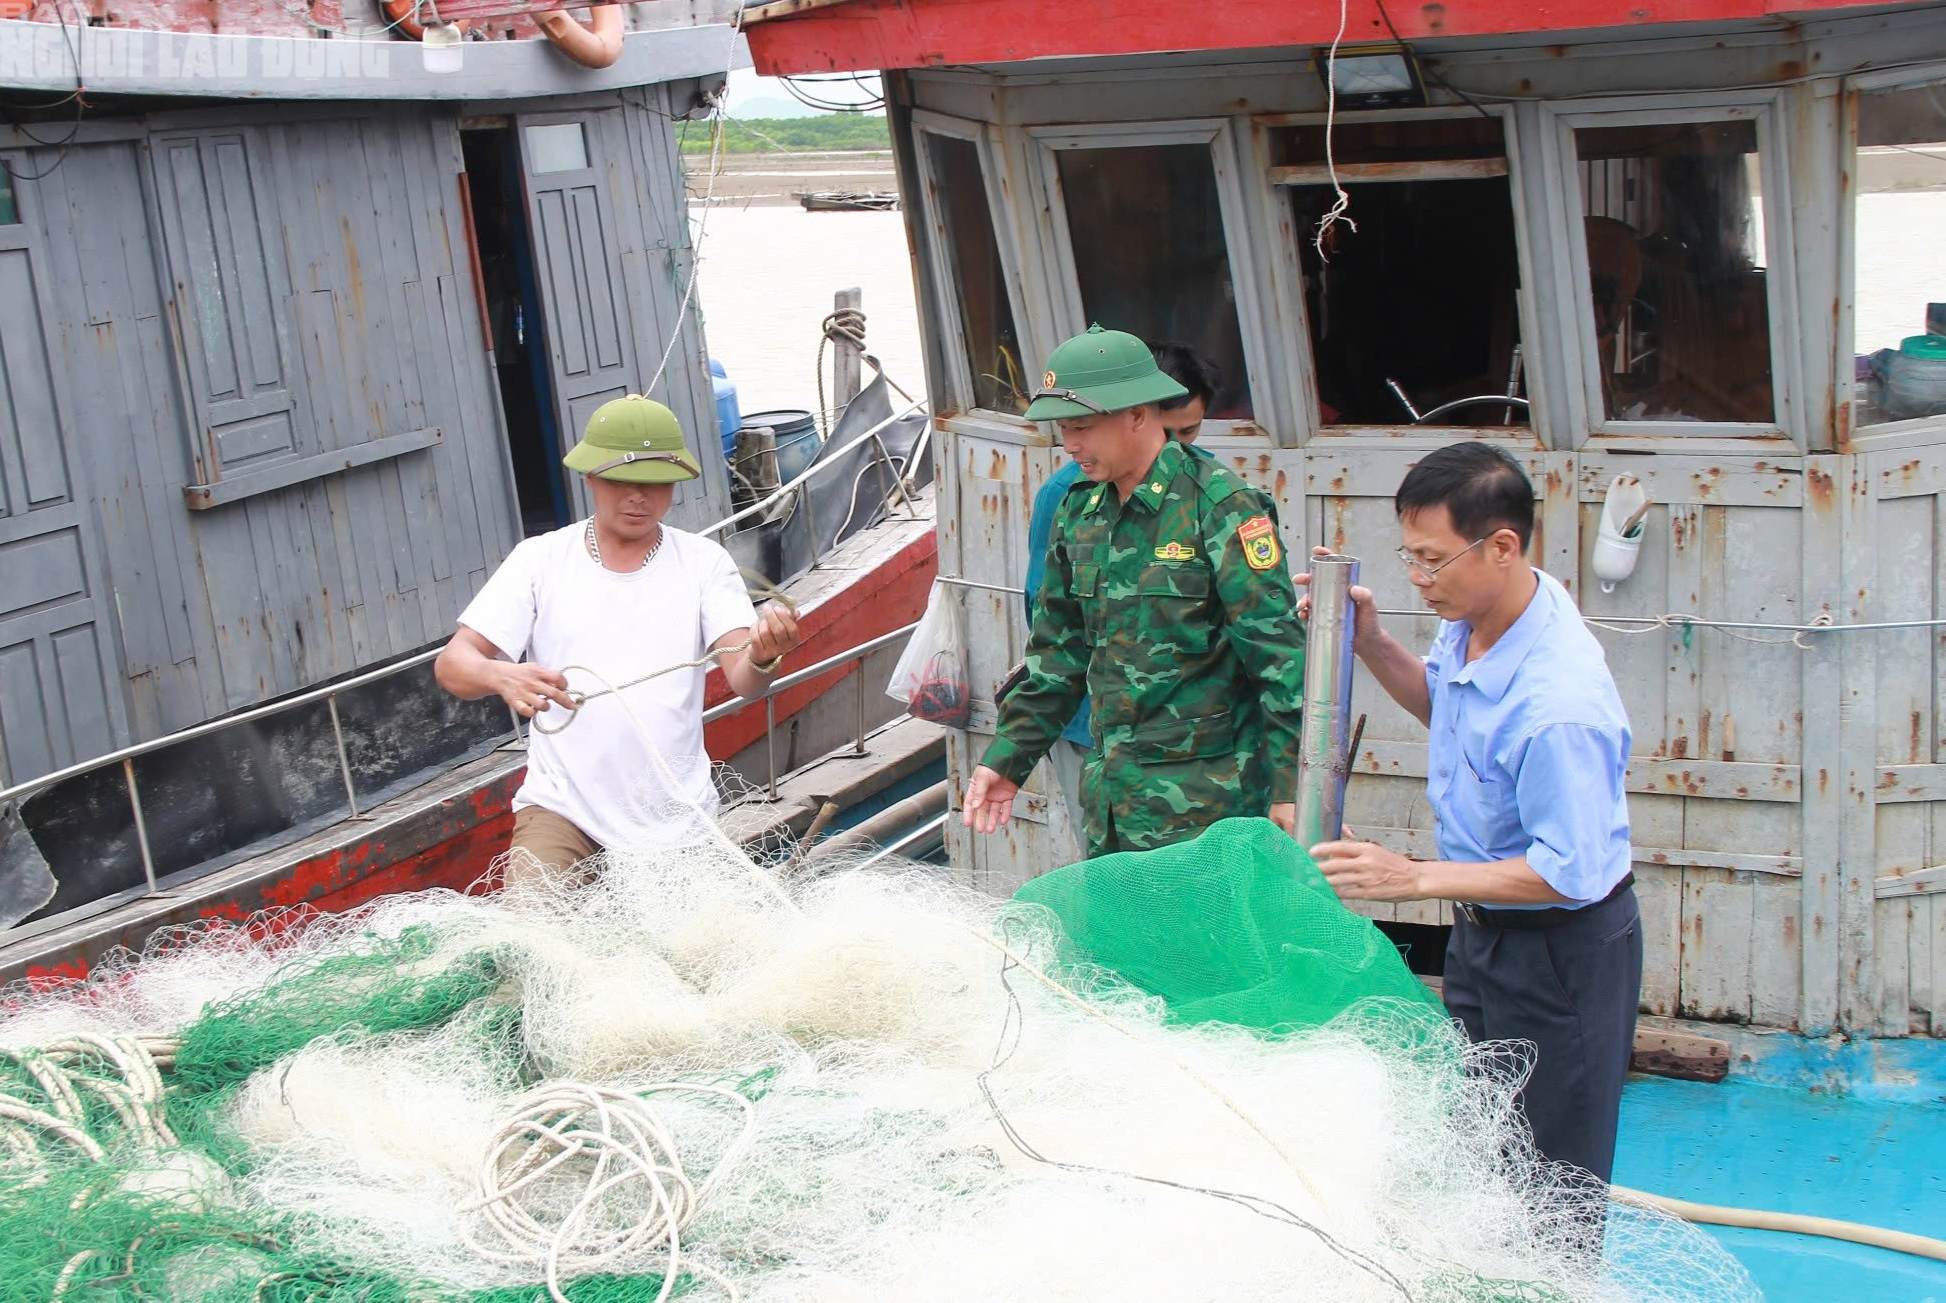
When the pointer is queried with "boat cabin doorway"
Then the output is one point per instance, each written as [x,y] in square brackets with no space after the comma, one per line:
[508,287]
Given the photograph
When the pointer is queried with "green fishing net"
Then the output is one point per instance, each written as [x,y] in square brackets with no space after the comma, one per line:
[1235,926]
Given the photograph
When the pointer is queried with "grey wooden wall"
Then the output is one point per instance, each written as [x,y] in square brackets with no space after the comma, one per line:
[277,303]
[1788,798]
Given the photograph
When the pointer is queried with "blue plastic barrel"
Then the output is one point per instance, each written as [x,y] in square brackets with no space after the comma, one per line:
[797,440]
[728,422]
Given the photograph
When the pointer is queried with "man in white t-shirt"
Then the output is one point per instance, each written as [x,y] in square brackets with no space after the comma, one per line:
[620,597]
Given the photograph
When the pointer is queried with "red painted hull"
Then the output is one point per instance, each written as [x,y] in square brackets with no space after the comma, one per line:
[873,34]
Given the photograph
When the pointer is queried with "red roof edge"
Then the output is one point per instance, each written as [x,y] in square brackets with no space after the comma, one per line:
[865,35]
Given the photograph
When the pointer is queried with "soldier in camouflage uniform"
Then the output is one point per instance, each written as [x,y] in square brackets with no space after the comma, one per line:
[1167,599]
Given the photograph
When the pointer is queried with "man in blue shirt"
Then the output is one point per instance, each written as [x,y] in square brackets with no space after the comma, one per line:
[1182,420]
[1529,743]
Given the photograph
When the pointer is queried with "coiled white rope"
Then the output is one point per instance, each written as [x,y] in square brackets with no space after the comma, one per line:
[121,1071]
[624,1153]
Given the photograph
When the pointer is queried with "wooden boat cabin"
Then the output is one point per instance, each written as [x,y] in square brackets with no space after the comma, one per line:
[1702,245]
[292,330]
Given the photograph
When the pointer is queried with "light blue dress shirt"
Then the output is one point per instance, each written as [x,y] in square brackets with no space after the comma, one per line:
[1529,749]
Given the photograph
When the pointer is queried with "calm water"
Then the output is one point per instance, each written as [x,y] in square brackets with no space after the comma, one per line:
[769,273]
[1901,265]
[766,283]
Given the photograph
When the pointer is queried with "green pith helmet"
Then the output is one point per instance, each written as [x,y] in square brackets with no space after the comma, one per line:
[1098,372]
[635,440]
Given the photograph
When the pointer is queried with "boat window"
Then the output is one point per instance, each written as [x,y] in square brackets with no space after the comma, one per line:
[1899,255]
[1413,300]
[557,147]
[1673,214]
[8,213]
[1150,256]
[979,278]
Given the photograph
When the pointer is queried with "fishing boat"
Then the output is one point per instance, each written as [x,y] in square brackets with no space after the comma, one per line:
[299,315]
[1673,255]
[849,201]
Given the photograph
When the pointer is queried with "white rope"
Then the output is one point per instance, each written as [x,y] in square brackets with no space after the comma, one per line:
[1729,628]
[63,1070]
[617,1144]
[1343,202]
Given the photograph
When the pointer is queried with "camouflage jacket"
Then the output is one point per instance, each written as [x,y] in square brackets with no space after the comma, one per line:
[1176,612]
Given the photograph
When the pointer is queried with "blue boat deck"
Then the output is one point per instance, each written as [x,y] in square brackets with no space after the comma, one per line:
[1855,1132]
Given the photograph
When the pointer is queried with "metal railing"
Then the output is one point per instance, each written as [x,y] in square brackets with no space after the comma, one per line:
[782,491]
[855,655]
[126,756]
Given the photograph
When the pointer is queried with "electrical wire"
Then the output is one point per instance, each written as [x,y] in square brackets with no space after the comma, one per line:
[72,37]
[795,87]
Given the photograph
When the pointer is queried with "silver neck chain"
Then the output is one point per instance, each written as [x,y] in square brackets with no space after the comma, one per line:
[594,548]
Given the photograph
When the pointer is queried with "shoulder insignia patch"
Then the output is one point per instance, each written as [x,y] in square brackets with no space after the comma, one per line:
[1259,539]
[1175,552]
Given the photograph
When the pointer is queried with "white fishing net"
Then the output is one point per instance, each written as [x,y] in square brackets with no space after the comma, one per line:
[930,1119]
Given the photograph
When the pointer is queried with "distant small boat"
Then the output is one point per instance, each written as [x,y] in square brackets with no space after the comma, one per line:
[839,201]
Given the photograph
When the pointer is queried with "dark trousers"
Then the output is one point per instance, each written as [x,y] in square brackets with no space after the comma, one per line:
[1571,988]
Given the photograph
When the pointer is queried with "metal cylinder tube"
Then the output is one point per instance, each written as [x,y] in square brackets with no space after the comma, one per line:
[1324,762]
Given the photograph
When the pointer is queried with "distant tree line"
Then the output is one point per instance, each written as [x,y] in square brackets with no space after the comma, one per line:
[774,135]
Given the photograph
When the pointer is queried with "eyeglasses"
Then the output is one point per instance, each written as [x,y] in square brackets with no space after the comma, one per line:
[1070,396]
[1414,563]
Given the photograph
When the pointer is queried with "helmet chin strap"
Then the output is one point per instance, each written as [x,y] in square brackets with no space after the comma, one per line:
[628,458]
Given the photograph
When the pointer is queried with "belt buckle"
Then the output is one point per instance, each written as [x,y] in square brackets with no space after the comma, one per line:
[1470,912]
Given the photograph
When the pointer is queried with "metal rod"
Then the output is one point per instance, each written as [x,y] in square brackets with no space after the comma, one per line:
[344,761]
[975,583]
[1323,762]
[923,830]
[1393,385]
[859,674]
[770,740]
[1513,385]
[141,825]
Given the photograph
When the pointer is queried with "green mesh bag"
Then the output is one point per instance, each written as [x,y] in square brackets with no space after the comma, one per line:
[1236,926]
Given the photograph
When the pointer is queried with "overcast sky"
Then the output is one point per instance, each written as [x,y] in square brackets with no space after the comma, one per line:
[748,90]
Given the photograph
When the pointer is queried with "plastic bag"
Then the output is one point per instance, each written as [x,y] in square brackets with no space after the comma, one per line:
[930,677]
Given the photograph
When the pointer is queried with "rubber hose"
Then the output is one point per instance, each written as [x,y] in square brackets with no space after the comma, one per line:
[597,45]
[1829,1228]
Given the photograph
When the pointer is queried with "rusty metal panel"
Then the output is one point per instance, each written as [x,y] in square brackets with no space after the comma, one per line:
[1749,706]
[988,471]
[1657,821]
[1860,977]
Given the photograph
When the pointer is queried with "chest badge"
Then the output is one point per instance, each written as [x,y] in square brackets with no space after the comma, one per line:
[1259,539]
[1175,552]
